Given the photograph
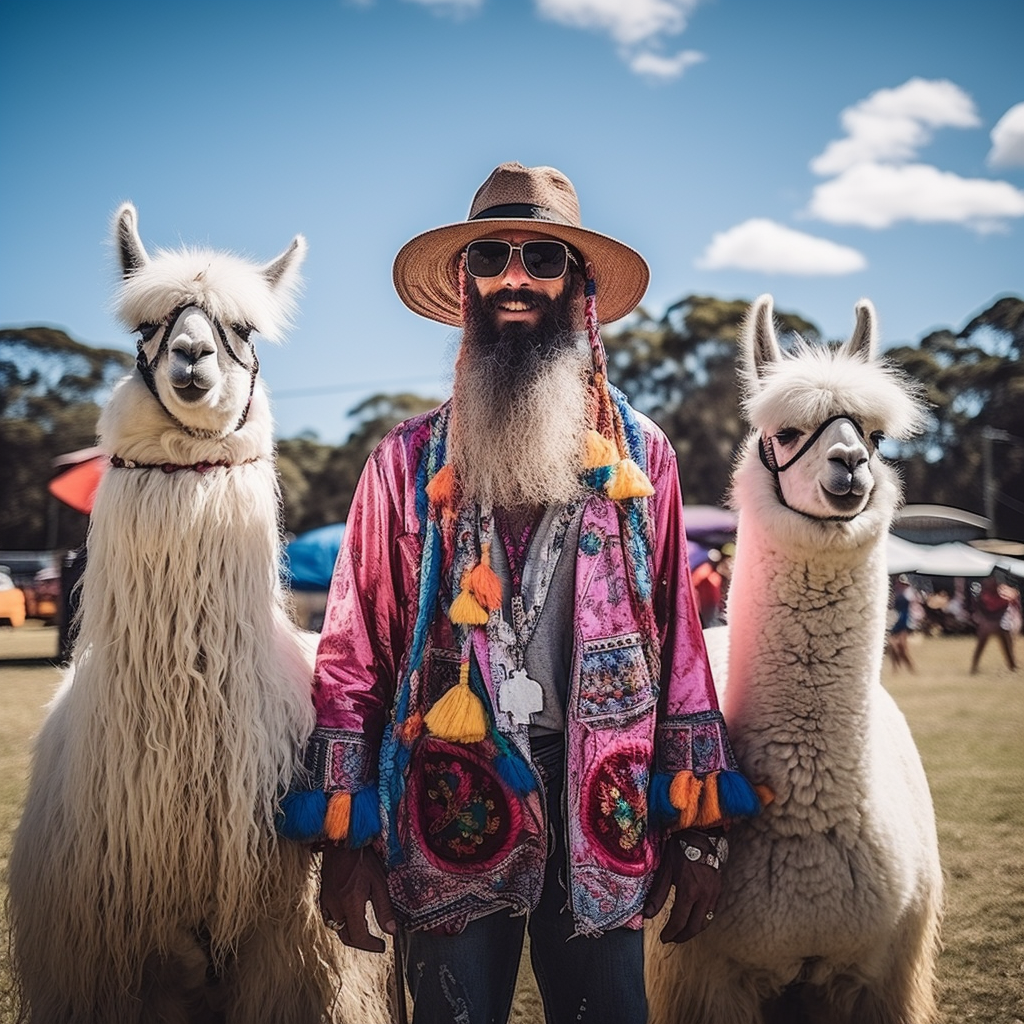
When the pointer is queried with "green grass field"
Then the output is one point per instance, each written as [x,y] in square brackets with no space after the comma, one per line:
[970,730]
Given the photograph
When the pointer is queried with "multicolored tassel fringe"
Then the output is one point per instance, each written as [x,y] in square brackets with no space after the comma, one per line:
[685,800]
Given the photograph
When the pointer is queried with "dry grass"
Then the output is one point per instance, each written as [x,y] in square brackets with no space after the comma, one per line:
[970,730]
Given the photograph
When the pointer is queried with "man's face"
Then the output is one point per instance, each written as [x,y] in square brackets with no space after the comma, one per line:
[520,309]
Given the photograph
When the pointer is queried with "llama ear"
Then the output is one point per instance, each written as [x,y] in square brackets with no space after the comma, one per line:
[761,345]
[864,340]
[283,272]
[130,250]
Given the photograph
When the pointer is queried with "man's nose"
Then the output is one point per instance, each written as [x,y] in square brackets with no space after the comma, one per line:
[515,275]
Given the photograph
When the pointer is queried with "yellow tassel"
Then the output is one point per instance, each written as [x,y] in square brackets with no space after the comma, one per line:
[441,489]
[600,451]
[765,794]
[465,609]
[684,795]
[459,715]
[339,812]
[484,582]
[710,813]
[628,481]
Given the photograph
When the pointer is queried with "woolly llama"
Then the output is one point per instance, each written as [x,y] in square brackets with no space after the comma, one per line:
[146,880]
[831,899]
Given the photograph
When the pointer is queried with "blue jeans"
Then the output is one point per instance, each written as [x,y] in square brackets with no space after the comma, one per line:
[470,978]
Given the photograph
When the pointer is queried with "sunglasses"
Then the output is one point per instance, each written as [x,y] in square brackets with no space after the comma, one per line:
[543,259]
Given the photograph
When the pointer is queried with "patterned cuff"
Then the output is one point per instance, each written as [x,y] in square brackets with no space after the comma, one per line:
[338,760]
[695,743]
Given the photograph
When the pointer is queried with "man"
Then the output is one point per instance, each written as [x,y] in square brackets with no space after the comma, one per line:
[516,723]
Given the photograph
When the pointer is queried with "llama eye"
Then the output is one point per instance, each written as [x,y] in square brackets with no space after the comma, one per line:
[243,330]
[788,435]
[877,437]
[147,331]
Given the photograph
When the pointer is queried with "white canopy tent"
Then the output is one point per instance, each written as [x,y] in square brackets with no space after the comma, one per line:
[952,559]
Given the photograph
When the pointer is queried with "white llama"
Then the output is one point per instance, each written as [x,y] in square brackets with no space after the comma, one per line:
[146,880]
[832,897]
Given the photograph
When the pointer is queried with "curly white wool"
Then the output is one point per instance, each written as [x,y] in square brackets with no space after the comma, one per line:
[836,887]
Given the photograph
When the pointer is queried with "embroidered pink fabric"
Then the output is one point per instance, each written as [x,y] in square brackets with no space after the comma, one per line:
[637,703]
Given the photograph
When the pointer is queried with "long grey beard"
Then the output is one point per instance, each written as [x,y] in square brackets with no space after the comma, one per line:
[520,442]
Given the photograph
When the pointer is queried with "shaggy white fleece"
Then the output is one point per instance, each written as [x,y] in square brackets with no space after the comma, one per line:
[836,887]
[147,881]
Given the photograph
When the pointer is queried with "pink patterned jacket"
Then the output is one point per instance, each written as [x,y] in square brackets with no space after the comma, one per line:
[462,825]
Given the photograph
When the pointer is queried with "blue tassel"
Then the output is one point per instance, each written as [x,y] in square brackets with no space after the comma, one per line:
[364,821]
[597,477]
[302,814]
[513,770]
[659,807]
[736,796]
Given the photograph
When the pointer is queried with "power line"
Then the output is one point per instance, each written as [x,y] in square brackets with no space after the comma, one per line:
[332,389]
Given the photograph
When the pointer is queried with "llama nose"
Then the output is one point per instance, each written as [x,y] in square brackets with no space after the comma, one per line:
[191,349]
[847,458]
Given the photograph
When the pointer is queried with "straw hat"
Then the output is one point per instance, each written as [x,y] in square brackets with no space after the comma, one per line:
[514,197]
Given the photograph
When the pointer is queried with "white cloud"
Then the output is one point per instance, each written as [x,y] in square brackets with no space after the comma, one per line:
[893,124]
[1008,139]
[628,22]
[771,248]
[639,27]
[652,65]
[878,195]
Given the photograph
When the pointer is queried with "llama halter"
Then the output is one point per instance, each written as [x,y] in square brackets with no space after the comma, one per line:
[766,453]
[173,467]
[147,367]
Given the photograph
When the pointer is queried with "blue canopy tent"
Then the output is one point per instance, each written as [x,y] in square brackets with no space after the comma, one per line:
[309,559]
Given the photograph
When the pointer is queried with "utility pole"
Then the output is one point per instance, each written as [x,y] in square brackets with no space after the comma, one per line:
[988,435]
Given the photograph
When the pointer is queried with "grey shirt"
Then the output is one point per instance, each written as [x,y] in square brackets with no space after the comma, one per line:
[548,653]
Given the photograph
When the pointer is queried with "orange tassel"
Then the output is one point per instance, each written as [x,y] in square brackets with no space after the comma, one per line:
[441,489]
[628,481]
[339,812]
[484,583]
[684,795]
[599,452]
[459,715]
[411,728]
[710,813]
[765,794]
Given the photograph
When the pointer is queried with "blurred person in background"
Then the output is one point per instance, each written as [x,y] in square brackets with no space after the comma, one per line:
[997,612]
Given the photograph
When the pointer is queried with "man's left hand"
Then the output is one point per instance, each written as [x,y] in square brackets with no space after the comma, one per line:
[691,861]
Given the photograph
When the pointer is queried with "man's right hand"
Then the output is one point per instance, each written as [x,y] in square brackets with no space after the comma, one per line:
[348,880]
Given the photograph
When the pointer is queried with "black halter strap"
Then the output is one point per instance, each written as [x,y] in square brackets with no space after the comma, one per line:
[147,367]
[767,453]
[767,456]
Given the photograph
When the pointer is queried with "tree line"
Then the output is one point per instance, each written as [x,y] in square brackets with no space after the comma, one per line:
[678,367]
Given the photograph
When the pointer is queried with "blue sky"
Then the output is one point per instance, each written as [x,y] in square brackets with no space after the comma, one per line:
[820,151]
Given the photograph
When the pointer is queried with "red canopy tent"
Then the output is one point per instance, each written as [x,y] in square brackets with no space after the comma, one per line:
[79,474]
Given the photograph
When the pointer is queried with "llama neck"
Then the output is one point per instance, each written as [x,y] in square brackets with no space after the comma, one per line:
[186,710]
[806,629]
